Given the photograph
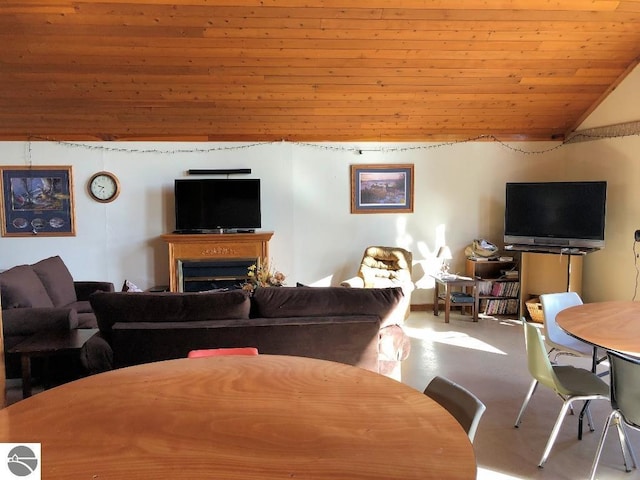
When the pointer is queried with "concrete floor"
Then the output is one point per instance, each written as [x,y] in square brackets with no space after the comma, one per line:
[489,359]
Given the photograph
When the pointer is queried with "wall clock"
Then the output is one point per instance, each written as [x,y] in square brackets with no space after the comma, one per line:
[104,187]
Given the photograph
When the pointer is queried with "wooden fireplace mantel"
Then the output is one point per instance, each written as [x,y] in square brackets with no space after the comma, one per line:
[218,246]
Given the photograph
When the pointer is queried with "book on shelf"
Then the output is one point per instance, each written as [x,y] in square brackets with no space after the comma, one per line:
[510,274]
[501,289]
[484,287]
[508,306]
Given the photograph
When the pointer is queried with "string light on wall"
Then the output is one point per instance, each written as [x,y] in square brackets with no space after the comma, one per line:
[619,131]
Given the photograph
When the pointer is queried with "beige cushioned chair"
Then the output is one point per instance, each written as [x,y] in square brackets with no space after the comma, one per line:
[383,267]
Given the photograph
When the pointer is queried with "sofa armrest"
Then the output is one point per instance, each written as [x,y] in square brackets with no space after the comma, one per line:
[354,282]
[395,344]
[86,288]
[96,355]
[27,321]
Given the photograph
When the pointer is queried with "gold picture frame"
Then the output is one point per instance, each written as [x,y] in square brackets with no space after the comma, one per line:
[385,188]
[37,201]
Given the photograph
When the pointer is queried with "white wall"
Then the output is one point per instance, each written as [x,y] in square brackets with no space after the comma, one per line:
[612,274]
[459,195]
[621,105]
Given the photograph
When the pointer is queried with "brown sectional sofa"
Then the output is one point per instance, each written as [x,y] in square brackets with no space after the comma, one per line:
[354,326]
[44,296]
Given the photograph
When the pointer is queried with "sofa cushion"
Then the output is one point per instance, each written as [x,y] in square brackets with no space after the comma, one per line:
[325,301]
[57,280]
[123,307]
[81,306]
[21,287]
[87,320]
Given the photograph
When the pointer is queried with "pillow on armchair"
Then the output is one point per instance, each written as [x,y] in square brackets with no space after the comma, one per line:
[383,267]
[21,288]
[129,286]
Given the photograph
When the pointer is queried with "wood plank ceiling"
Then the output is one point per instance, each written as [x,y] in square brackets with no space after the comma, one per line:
[309,70]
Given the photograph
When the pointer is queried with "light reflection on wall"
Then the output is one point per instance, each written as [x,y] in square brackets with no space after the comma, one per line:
[424,259]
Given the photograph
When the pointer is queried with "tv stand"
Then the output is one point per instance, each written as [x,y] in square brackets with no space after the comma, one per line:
[549,272]
[550,249]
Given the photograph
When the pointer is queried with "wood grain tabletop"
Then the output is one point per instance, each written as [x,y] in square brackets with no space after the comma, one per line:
[611,325]
[265,417]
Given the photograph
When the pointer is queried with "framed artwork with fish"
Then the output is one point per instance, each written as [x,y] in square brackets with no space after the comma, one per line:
[382,188]
[37,201]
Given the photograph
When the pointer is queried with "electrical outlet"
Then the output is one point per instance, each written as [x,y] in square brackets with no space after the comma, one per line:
[636,236]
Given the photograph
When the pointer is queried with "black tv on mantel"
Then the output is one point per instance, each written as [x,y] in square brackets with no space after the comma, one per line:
[555,214]
[212,205]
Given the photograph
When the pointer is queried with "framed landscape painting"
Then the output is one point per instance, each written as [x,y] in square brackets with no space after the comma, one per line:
[382,188]
[36,201]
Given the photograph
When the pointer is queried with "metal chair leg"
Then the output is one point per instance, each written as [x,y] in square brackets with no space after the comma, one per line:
[554,433]
[532,389]
[624,444]
[590,420]
[585,409]
[630,449]
[603,436]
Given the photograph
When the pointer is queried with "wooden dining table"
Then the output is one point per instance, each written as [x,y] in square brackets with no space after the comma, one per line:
[232,417]
[613,325]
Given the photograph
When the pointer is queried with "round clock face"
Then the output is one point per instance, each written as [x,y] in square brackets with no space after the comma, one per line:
[104,187]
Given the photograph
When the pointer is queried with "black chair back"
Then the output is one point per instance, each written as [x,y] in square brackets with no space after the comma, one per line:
[625,386]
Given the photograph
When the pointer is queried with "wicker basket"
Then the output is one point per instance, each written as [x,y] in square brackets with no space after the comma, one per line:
[535,309]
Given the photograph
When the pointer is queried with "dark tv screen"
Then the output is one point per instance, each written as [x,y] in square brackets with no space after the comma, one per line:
[563,214]
[207,205]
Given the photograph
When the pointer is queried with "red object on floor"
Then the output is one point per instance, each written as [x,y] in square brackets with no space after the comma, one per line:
[213,352]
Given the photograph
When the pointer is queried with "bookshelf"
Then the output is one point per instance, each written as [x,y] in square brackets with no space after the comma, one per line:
[498,285]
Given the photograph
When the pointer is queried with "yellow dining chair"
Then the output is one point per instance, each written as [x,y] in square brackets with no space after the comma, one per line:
[569,382]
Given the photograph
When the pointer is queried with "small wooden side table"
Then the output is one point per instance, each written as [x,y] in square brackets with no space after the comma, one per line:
[47,344]
[450,284]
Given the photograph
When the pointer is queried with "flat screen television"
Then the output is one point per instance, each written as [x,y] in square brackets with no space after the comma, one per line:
[556,214]
[212,205]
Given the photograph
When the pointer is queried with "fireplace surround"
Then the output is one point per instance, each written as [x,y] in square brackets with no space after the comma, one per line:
[199,262]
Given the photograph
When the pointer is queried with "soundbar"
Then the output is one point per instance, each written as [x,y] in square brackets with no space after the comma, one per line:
[223,171]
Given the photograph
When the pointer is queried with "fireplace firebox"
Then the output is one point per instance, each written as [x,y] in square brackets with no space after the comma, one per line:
[200,275]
